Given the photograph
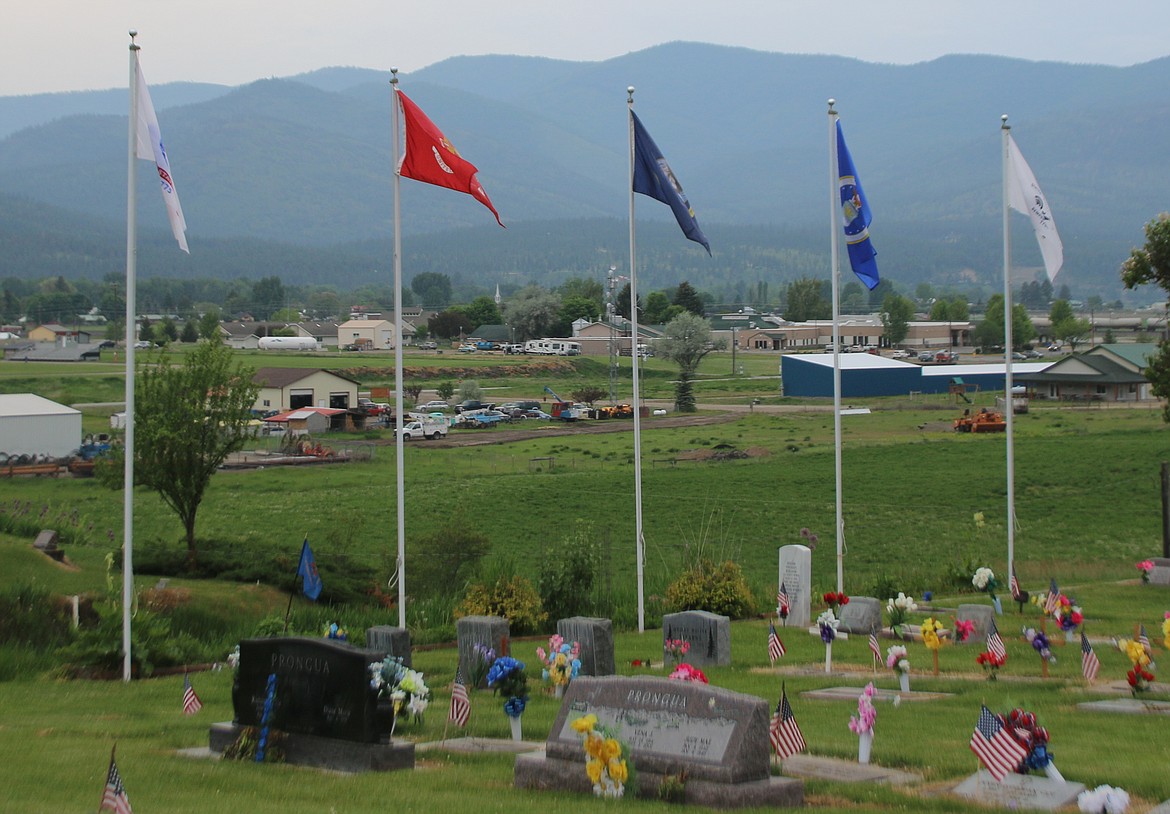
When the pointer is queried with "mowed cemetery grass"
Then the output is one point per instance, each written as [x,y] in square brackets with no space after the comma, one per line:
[1087,499]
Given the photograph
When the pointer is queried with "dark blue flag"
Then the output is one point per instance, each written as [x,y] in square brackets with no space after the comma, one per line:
[653,177]
[307,570]
[855,215]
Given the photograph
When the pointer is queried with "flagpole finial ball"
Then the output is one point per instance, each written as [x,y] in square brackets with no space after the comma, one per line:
[133,32]
[1003,118]
[831,103]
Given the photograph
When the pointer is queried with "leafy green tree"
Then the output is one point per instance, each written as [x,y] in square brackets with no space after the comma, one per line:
[621,304]
[586,288]
[805,301]
[166,330]
[952,309]
[188,418]
[686,340]
[286,315]
[1074,331]
[687,297]
[897,311]
[1151,264]
[267,297]
[482,311]
[990,331]
[445,390]
[853,298]
[209,324]
[469,390]
[1060,312]
[532,312]
[190,333]
[432,288]
[449,324]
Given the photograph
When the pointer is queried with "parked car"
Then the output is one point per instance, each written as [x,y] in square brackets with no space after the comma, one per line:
[1034,354]
[1018,357]
[421,429]
[925,356]
[901,354]
[433,406]
[468,348]
[944,356]
[109,343]
[472,404]
[373,407]
[143,344]
[428,346]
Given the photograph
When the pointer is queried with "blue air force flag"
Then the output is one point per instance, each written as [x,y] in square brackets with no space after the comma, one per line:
[653,177]
[855,216]
[307,571]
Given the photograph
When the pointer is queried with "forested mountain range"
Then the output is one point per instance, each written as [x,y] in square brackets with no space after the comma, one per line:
[293,176]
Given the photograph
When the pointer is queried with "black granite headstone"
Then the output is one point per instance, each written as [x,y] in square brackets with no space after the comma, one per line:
[322,688]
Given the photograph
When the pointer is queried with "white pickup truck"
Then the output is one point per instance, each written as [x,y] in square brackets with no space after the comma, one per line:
[420,429]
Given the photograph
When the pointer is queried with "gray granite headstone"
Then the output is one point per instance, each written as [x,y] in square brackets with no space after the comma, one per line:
[1160,574]
[982,615]
[863,614]
[595,638]
[1017,791]
[708,633]
[46,541]
[394,641]
[796,579]
[489,631]
[719,738]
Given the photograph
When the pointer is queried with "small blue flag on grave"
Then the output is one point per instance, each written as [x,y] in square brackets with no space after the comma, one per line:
[307,570]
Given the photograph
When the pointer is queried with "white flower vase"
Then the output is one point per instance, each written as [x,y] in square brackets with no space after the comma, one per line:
[865,746]
[559,690]
[515,724]
[998,606]
[1070,636]
[829,657]
[904,681]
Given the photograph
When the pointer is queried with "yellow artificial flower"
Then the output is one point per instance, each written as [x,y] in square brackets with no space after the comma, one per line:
[593,744]
[617,771]
[593,768]
[611,749]
[1135,651]
[1166,632]
[584,725]
[930,629]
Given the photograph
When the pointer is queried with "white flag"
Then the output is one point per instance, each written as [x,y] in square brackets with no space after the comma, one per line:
[150,147]
[1026,197]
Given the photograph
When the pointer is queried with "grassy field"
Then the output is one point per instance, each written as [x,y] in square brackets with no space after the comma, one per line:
[1087,499]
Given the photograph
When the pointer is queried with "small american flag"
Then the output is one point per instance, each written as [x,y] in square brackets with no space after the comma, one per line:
[114,797]
[1053,600]
[1143,639]
[996,749]
[995,644]
[775,646]
[1015,586]
[784,733]
[874,647]
[191,702]
[1089,663]
[460,710]
[782,601]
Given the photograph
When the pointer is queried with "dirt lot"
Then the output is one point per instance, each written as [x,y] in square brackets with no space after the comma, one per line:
[548,429]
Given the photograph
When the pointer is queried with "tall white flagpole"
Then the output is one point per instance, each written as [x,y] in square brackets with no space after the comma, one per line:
[1009,401]
[400,480]
[131,338]
[835,274]
[639,539]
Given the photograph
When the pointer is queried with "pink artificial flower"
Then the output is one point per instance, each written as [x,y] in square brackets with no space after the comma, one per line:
[685,672]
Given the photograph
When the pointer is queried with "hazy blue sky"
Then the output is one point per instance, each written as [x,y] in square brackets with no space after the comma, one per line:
[55,45]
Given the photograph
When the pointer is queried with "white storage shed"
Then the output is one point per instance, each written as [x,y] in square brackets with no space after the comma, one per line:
[32,425]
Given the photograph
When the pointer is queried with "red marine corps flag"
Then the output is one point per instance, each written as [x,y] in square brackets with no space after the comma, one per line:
[430,158]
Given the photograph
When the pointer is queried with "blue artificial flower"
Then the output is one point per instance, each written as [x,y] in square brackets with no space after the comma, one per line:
[502,668]
[828,634]
[927,596]
[514,706]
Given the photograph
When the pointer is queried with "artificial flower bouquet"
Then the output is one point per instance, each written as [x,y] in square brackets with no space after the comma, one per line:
[897,660]
[1066,614]
[1166,631]
[931,631]
[1145,567]
[963,629]
[1039,641]
[607,759]
[984,580]
[1139,677]
[1023,728]
[686,672]
[1103,800]
[899,607]
[561,663]
[336,632]
[482,659]
[828,623]
[835,599]
[866,712]
[990,662]
[676,649]
[404,687]
[507,677]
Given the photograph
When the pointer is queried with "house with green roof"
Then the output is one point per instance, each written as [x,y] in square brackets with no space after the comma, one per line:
[1112,372]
